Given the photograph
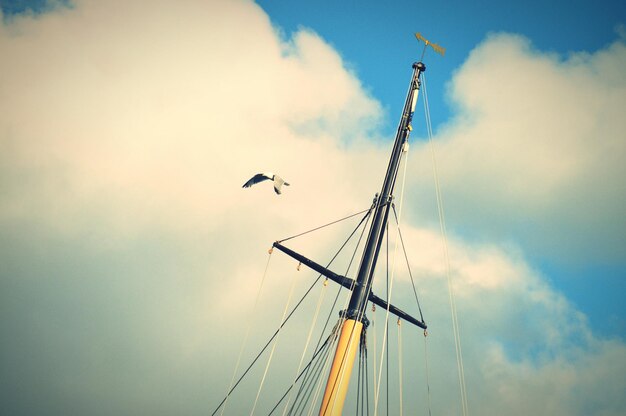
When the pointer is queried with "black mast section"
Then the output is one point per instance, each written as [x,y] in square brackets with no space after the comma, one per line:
[363,285]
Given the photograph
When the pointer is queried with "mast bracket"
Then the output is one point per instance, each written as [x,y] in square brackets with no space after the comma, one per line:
[354,314]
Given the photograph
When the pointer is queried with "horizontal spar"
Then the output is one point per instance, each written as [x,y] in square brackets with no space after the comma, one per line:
[349,284]
[342,280]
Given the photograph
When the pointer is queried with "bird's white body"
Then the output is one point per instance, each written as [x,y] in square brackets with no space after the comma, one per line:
[260,177]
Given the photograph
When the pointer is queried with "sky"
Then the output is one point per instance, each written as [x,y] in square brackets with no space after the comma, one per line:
[131,257]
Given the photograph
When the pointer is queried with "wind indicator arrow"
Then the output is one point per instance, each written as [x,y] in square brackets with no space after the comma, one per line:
[437,48]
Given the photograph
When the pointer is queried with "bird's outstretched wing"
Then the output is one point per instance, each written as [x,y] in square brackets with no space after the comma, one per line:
[259,177]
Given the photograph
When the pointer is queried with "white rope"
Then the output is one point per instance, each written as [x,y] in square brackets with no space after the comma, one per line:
[269,361]
[374,342]
[327,363]
[329,359]
[393,269]
[400,361]
[427,371]
[442,224]
[245,340]
[308,340]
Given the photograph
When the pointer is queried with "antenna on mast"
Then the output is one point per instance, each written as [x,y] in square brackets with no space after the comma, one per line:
[437,48]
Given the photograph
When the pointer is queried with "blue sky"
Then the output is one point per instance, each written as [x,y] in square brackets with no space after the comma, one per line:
[128,246]
[376,39]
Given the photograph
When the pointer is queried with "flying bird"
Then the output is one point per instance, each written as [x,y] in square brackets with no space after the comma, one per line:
[260,177]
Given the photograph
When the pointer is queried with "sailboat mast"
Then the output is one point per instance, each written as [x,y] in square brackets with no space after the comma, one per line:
[339,377]
[358,301]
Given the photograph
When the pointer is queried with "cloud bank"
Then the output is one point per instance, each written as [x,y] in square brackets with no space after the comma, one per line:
[535,149]
[127,129]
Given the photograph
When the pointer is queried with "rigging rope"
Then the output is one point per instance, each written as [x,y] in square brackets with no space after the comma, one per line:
[393,267]
[245,340]
[311,377]
[269,361]
[421,316]
[325,225]
[374,343]
[305,372]
[342,373]
[400,360]
[406,257]
[387,324]
[266,345]
[427,371]
[345,306]
[367,385]
[442,225]
[363,222]
[342,319]
[420,311]
[306,344]
[359,390]
[314,361]
[362,400]
[321,369]
[327,364]
[302,386]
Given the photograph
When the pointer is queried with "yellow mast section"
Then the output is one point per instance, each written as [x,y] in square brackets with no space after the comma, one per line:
[337,385]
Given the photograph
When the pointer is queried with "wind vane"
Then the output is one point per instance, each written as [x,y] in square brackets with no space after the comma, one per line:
[437,48]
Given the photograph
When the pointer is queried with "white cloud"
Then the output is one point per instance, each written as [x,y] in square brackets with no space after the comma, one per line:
[126,131]
[535,150]
[526,348]
[161,124]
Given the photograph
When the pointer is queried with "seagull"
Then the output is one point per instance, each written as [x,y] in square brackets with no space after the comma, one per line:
[260,177]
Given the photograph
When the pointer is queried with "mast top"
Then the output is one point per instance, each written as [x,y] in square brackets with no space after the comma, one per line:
[419,65]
